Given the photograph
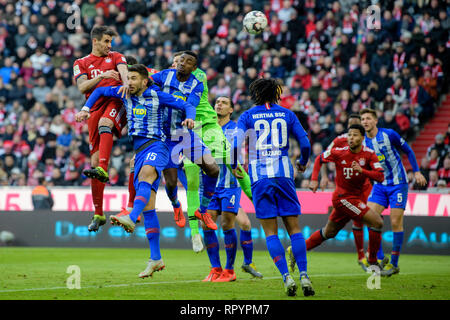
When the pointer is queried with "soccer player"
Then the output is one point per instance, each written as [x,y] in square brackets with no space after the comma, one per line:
[181,83]
[207,128]
[393,191]
[268,127]
[225,203]
[355,164]
[102,67]
[145,109]
[357,227]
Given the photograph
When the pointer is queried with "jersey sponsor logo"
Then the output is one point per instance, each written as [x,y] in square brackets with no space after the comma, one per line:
[179,95]
[348,173]
[76,70]
[377,165]
[95,73]
[381,157]
[139,111]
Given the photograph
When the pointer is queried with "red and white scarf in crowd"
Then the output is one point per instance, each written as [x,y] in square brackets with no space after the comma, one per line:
[314,50]
[399,61]
[414,95]
[396,92]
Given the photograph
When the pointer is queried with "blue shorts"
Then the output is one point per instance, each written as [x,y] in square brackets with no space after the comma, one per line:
[393,196]
[155,155]
[226,200]
[275,197]
[189,145]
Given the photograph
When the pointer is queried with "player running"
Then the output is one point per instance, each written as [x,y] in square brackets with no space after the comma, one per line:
[355,164]
[393,191]
[225,203]
[357,227]
[145,109]
[101,68]
[268,127]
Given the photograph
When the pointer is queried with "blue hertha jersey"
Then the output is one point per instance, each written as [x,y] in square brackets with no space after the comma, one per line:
[145,112]
[226,178]
[387,144]
[190,91]
[268,128]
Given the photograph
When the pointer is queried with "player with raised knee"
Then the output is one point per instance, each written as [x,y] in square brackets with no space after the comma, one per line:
[393,191]
[101,68]
[357,227]
[355,164]
[225,203]
[268,127]
[180,82]
[145,108]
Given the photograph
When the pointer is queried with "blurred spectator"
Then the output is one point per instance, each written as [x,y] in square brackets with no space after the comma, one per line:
[41,196]
[439,145]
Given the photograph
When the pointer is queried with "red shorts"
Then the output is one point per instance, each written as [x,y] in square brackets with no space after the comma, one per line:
[112,109]
[367,189]
[349,208]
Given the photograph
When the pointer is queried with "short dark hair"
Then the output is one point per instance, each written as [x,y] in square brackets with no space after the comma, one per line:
[229,99]
[97,32]
[131,60]
[139,68]
[266,90]
[367,110]
[178,53]
[358,127]
[193,54]
[354,116]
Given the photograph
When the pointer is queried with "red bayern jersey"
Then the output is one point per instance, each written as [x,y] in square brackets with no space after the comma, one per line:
[348,181]
[339,142]
[92,66]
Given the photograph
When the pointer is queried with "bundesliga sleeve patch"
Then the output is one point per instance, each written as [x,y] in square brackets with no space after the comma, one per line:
[123,59]
[377,165]
[76,70]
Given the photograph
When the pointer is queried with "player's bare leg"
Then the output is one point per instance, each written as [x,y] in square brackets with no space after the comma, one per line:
[247,245]
[373,220]
[382,259]
[99,170]
[230,238]
[209,177]
[396,215]
[212,248]
[171,177]
[97,189]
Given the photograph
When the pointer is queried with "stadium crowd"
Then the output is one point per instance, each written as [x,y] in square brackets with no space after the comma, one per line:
[332,61]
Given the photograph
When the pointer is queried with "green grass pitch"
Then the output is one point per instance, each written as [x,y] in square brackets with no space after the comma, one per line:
[111,274]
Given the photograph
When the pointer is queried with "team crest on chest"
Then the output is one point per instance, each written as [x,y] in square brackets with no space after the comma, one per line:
[108,60]
[362,162]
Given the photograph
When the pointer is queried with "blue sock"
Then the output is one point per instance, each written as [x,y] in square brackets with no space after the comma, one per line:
[209,187]
[230,239]
[299,250]
[380,253]
[247,246]
[276,252]
[143,194]
[212,248]
[151,225]
[173,196]
[396,247]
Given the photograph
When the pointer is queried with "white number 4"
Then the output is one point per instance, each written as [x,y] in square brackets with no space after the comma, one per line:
[232,200]
[151,156]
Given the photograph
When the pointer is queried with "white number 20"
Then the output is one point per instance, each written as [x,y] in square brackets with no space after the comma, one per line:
[266,128]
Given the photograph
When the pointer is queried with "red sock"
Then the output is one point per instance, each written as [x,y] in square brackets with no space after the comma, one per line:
[374,244]
[97,189]
[105,147]
[358,234]
[131,190]
[314,240]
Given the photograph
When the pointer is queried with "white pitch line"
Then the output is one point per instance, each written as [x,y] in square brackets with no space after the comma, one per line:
[182,281]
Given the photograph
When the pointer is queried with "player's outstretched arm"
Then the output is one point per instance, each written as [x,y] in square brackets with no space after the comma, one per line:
[96,94]
[314,184]
[170,101]
[400,143]
[85,85]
